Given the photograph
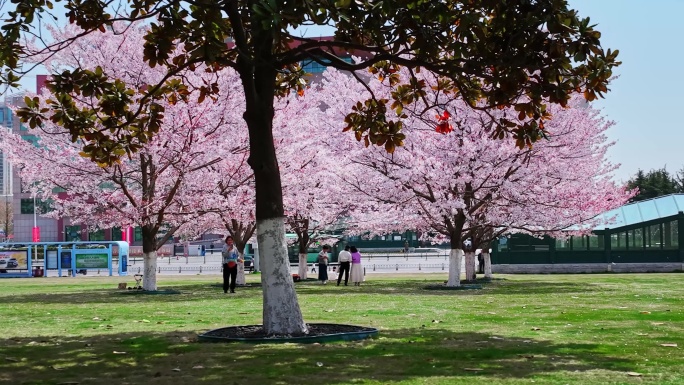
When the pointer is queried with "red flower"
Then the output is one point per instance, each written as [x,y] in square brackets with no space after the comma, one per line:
[443,126]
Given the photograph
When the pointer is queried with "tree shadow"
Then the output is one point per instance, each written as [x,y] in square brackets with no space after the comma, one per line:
[398,354]
[395,287]
[421,287]
[179,293]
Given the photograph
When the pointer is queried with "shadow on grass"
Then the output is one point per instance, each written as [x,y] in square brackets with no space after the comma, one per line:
[517,287]
[400,354]
[395,287]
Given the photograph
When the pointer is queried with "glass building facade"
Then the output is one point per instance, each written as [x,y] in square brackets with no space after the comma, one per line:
[640,232]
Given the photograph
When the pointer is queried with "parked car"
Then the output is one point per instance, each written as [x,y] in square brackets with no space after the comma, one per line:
[12,263]
[3,265]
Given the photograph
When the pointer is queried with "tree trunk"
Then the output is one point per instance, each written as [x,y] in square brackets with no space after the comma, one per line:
[487,265]
[470,261]
[282,315]
[455,268]
[303,266]
[149,239]
[240,279]
[150,271]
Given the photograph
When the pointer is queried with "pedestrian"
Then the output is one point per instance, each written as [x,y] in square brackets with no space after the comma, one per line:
[323,264]
[480,263]
[406,247]
[356,268]
[230,264]
[203,251]
[344,258]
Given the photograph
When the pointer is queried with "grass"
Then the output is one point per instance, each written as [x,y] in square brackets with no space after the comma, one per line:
[550,329]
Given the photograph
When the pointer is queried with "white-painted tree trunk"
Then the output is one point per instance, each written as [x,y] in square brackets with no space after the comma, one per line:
[150,271]
[240,278]
[455,267]
[470,261]
[303,267]
[282,315]
[487,265]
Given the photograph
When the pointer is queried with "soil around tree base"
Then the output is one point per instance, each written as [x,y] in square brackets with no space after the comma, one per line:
[318,332]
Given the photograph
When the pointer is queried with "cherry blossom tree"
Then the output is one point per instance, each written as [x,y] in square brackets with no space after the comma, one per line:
[307,165]
[154,188]
[226,194]
[456,179]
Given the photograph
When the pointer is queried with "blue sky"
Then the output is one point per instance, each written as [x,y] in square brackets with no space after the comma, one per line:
[645,99]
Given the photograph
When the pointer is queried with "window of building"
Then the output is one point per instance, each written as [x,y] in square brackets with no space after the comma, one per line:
[654,237]
[671,235]
[72,233]
[27,206]
[579,242]
[503,244]
[618,241]
[43,206]
[97,235]
[117,234]
[31,139]
[2,115]
[313,67]
[596,242]
[636,239]
[562,243]
[137,234]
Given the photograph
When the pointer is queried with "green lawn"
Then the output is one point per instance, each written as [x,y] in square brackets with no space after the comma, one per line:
[545,329]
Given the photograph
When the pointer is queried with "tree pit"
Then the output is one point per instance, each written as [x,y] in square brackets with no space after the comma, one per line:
[318,332]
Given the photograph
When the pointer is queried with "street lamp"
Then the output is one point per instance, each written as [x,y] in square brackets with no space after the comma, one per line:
[36,229]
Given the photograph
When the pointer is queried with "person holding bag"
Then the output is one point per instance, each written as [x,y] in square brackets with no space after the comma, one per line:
[231,258]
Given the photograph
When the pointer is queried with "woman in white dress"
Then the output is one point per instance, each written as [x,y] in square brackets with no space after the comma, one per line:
[356,268]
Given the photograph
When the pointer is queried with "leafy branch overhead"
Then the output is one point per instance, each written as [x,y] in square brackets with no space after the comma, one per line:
[493,54]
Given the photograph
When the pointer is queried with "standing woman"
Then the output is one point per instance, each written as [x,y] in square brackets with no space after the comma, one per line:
[323,265]
[356,268]
[230,259]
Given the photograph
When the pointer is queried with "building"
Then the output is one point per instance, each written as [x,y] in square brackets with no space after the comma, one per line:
[642,236]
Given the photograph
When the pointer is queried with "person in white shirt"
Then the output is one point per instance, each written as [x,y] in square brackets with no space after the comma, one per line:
[344,258]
